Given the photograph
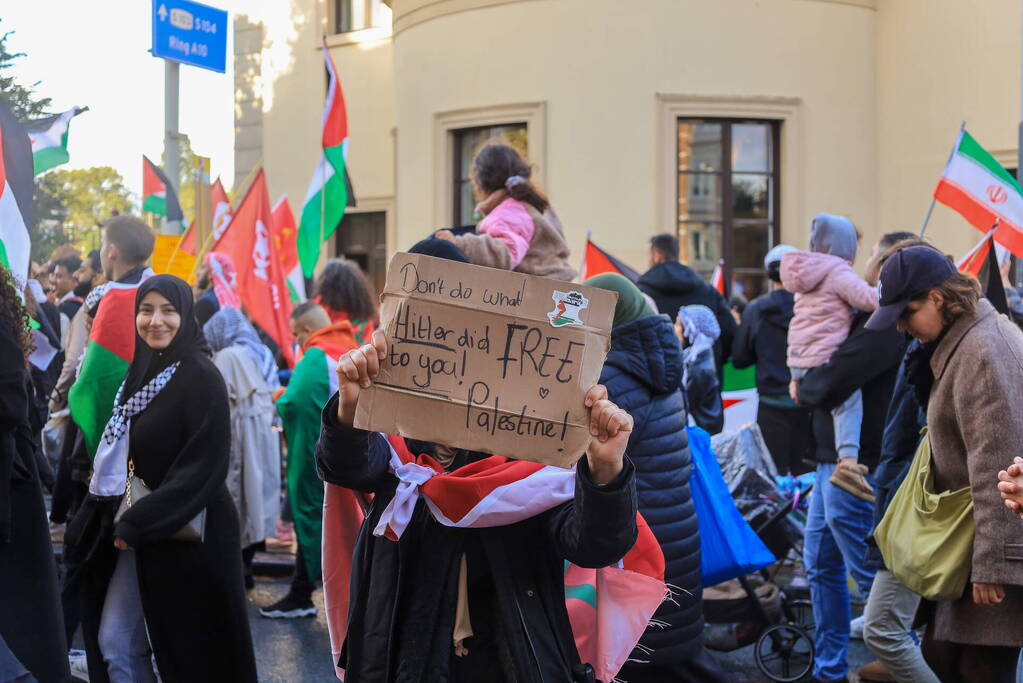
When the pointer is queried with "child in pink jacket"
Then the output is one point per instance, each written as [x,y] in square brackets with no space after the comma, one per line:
[519,231]
[828,291]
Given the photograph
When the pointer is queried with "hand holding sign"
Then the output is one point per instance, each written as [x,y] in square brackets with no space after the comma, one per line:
[610,427]
[356,370]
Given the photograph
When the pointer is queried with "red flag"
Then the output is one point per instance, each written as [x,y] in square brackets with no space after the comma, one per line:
[973,262]
[221,219]
[248,242]
[597,261]
[285,231]
[221,210]
[717,278]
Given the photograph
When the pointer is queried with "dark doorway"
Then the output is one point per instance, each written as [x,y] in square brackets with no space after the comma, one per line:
[362,237]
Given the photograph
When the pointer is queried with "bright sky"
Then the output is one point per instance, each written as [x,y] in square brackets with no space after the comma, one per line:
[95,54]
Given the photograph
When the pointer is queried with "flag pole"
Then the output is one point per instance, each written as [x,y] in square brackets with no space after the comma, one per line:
[323,171]
[930,209]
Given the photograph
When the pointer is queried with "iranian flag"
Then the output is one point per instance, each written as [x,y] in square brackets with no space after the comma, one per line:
[16,185]
[983,192]
[285,234]
[108,354]
[49,139]
[328,195]
[158,194]
[261,281]
[221,219]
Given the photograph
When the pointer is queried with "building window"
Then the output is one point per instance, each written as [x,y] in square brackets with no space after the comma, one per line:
[468,141]
[361,237]
[357,15]
[728,174]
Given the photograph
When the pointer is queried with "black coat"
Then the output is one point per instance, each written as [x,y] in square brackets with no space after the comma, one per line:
[672,285]
[762,340]
[403,594]
[866,360]
[30,614]
[642,375]
[192,593]
[703,393]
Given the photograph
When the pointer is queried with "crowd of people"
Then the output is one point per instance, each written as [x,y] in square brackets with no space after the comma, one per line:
[211,442]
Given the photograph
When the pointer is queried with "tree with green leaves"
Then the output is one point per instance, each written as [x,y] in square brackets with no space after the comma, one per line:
[22,99]
[70,204]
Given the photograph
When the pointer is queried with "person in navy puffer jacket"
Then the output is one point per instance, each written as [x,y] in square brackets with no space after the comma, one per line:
[642,374]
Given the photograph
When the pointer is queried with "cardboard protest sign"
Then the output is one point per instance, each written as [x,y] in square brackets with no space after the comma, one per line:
[487,360]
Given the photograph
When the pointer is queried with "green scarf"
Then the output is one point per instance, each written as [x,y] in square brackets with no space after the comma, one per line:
[631,304]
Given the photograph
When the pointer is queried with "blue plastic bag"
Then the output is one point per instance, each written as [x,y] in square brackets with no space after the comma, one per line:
[728,545]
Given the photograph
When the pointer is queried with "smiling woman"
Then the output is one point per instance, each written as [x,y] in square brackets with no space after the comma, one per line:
[157,320]
[143,589]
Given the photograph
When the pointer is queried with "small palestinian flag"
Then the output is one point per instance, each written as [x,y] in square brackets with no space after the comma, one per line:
[108,354]
[158,194]
[973,262]
[16,186]
[596,261]
[329,191]
[739,396]
[49,139]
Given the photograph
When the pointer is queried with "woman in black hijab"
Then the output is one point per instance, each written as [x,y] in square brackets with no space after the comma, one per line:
[171,423]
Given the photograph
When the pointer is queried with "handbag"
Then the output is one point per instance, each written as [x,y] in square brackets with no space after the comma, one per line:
[728,545]
[925,537]
[135,490]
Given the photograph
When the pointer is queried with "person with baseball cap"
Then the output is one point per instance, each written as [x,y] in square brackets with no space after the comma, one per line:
[975,427]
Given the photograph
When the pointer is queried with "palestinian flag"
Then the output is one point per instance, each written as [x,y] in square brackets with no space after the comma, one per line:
[976,186]
[158,194]
[608,608]
[49,139]
[739,396]
[328,192]
[108,354]
[596,261]
[16,186]
[285,235]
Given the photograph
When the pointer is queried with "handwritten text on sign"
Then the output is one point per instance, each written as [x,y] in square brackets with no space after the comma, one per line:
[487,360]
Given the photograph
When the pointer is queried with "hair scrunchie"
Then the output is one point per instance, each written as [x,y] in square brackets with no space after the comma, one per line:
[514,180]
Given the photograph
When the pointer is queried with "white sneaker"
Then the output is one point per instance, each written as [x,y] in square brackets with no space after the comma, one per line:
[79,665]
[856,628]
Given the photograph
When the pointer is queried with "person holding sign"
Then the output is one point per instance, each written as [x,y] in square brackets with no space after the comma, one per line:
[435,596]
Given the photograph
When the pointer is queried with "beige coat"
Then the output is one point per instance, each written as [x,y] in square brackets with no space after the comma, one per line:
[975,419]
[254,473]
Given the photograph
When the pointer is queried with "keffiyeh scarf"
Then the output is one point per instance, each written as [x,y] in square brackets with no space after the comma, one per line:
[110,468]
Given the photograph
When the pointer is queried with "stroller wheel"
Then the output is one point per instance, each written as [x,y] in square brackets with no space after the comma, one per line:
[784,653]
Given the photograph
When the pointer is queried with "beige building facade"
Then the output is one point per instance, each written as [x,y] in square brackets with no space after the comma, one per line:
[729,122]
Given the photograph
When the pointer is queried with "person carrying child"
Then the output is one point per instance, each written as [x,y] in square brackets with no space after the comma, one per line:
[827,293]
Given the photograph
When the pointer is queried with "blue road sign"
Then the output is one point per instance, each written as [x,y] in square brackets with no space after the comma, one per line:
[190,33]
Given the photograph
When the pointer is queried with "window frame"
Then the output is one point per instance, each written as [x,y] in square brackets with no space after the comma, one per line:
[456,161]
[533,114]
[726,174]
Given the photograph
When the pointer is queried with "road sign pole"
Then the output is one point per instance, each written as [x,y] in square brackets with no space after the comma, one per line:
[171,71]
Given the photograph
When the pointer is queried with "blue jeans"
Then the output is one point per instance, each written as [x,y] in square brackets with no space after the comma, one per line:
[122,628]
[834,545]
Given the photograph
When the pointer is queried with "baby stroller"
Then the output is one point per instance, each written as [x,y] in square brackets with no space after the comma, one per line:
[759,610]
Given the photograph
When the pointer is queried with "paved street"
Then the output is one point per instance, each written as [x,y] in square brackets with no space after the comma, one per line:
[298,650]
